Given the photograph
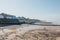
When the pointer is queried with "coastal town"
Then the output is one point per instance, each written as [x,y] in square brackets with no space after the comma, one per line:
[6,19]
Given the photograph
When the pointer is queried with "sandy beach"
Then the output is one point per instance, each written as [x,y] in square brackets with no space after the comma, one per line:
[29,32]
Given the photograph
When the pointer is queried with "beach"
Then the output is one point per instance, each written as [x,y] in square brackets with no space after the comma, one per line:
[29,32]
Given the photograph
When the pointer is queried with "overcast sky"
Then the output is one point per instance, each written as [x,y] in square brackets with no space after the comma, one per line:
[48,10]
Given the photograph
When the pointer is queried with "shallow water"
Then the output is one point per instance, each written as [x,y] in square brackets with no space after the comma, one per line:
[31,27]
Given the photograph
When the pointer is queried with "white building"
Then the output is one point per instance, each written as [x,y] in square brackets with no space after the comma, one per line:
[1,16]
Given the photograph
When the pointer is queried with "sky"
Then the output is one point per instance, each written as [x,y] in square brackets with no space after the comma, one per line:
[47,10]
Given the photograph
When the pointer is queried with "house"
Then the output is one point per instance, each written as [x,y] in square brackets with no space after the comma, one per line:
[6,19]
[27,20]
[7,16]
